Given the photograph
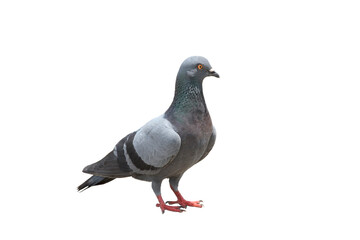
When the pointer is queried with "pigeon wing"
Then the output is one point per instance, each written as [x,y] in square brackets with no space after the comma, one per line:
[152,147]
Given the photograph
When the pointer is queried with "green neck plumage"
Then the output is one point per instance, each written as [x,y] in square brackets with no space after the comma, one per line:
[188,97]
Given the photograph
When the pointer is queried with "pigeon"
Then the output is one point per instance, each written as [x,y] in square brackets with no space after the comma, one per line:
[168,145]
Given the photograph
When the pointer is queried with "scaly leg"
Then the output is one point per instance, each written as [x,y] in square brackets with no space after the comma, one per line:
[156,185]
[174,183]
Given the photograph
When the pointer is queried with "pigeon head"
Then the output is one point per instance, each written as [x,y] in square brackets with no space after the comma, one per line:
[196,68]
[189,95]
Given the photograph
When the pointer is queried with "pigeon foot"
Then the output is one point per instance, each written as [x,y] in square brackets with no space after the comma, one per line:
[183,203]
[164,207]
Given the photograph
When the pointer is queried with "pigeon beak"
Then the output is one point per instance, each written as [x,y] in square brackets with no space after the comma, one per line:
[213,73]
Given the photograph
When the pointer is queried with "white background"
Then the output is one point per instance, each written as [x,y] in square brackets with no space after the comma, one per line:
[77,76]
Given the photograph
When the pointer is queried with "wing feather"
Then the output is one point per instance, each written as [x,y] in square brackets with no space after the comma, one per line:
[157,143]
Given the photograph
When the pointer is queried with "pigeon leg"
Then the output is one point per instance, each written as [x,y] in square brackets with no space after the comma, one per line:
[174,182]
[156,185]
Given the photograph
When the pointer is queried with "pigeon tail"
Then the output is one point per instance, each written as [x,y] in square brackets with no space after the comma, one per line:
[93,181]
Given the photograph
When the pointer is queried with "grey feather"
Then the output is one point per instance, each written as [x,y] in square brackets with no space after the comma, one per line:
[157,142]
[210,144]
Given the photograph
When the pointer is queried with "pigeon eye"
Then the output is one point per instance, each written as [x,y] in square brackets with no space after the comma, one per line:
[200,66]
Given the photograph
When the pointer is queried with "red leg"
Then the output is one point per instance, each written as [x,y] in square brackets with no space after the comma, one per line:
[164,207]
[183,203]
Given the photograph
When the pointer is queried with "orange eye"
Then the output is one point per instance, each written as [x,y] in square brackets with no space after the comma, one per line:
[200,66]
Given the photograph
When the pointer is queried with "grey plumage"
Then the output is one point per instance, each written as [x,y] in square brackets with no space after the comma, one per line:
[168,145]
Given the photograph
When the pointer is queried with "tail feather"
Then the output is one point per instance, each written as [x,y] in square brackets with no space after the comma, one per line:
[93,181]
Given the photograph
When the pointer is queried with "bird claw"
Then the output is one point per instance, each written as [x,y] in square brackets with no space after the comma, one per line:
[183,203]
[180,200]
[164,207]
